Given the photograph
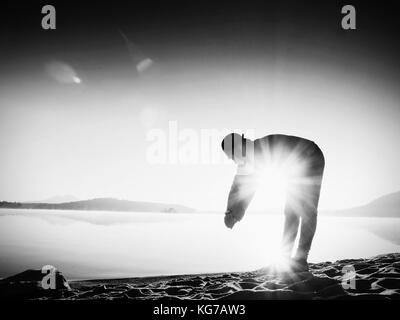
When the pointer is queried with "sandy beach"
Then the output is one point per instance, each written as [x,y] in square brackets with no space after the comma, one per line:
[376,278]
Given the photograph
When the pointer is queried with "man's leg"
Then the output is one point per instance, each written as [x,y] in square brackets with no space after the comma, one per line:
[309,209]
[290,229]
[307,232]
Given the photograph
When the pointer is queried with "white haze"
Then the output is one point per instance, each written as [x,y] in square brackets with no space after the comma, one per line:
[118,244]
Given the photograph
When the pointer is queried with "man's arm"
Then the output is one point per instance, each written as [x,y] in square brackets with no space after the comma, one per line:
[241,193]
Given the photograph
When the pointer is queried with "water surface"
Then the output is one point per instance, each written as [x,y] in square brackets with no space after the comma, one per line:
[98,244]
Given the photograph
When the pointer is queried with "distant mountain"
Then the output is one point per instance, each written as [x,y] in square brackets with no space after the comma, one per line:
[385,206]
[102,204]
[56,199]
[391,200]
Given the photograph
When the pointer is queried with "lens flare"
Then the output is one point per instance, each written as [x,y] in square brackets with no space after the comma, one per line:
[62,72]
[281,181]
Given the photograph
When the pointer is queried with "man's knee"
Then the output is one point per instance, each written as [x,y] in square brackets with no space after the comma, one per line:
[291,213]
[309,212]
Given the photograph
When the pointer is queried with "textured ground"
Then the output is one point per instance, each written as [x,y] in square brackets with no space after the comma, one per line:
[376,278]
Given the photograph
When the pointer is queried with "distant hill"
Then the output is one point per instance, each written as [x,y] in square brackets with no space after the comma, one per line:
[102,204]
[385,206]
[56,199]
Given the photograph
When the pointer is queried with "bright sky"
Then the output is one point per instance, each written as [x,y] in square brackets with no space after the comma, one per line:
[88,139]
[78,105]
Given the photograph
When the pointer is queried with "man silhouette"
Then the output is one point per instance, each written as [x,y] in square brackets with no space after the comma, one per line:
[303,164]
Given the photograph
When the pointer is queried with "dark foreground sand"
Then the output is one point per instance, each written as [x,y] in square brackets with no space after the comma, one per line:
[376,278]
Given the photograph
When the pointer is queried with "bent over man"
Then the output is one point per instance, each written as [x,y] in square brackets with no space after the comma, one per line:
[302,162]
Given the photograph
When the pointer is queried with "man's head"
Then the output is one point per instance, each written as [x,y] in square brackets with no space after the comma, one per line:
[236,147]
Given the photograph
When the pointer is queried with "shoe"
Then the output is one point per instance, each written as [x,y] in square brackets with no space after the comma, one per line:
[299,265]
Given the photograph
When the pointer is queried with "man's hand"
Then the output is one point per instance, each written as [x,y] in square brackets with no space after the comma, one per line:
[230,219]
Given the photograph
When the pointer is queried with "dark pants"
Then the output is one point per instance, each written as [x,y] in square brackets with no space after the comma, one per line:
[301,206]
